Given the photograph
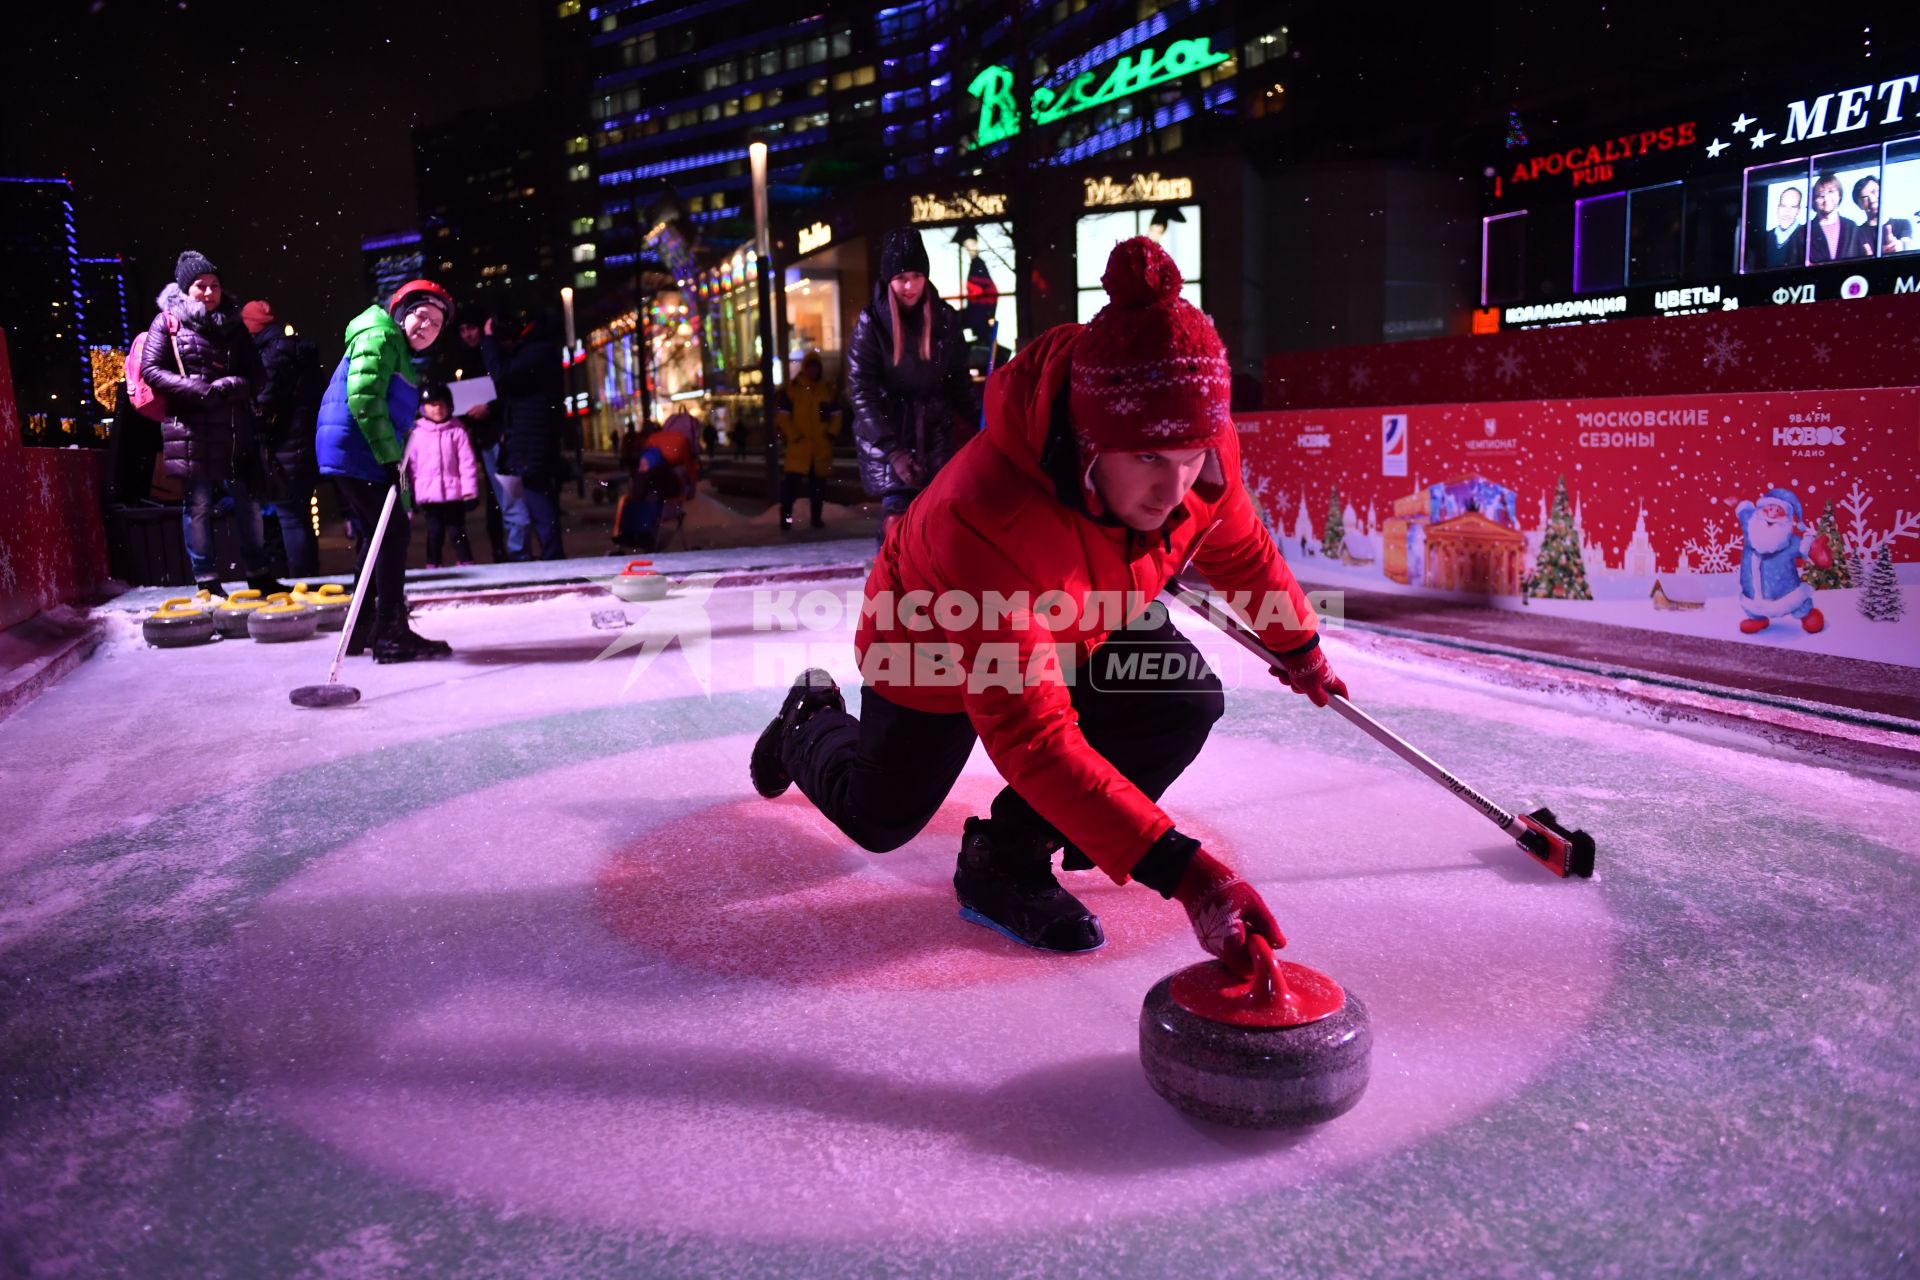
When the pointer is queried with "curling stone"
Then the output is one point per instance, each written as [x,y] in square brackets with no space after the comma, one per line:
[231,617]
[178,623]
[638,581]
[283,620]
[329,603]
[1287,1048]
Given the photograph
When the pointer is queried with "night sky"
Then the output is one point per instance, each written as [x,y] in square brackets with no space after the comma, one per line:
[274,137]
[271,137]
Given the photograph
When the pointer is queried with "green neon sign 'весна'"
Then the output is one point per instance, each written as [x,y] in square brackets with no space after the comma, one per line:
[1000,114]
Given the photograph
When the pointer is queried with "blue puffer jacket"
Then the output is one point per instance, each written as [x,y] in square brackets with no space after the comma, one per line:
[342,446]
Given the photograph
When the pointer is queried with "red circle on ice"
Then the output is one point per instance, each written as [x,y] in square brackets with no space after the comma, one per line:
[752,889]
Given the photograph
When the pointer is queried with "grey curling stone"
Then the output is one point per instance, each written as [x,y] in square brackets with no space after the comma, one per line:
[276,623]
[1255,1077]
[177,627]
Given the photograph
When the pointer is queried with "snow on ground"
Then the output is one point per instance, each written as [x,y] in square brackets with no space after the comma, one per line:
[505,971]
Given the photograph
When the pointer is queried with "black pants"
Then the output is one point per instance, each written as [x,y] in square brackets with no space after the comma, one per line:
[387,597]
[790,493]
[881,777]
[444,518]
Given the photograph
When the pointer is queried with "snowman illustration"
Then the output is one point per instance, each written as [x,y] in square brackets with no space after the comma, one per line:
[1770,582]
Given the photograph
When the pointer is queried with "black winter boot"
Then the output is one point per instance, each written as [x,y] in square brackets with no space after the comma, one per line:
[815,690]
[268,585]
[1005,881]
[429,647]
[212,586]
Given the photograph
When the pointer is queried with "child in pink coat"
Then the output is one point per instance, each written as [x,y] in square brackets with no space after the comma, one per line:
[443,474]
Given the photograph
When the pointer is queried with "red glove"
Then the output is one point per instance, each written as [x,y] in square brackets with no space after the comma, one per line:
[1224,909]
[1820,552]
[1310,673]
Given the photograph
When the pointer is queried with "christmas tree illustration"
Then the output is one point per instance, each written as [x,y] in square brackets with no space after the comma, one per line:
[1558,571]
[1333,539]
[1838,577]
[1516,136]
[1882,601]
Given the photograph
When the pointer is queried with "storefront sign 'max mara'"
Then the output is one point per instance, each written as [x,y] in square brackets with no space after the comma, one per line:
[1000,114]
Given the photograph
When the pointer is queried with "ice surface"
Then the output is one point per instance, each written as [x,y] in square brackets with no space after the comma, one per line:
[505,971]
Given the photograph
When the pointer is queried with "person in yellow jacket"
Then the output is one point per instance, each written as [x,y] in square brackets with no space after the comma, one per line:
[808,415]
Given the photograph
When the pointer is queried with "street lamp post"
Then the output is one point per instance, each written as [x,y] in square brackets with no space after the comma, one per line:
[763,245]
[580,426]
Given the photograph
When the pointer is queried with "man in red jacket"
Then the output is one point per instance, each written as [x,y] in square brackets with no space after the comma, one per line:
[1016,602]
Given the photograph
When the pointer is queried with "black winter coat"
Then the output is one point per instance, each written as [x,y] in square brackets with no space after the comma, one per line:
[925,409]
[288,406]
[209,430]
[529,388]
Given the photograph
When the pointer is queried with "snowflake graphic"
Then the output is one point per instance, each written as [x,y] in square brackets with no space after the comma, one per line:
[1723,352]
[9,422]
[1580,366]
[1508,366]
[1359,377]
[9,576]
[49,490]
[1656,357]
[1822,353]
[1413,377]
[1470,368]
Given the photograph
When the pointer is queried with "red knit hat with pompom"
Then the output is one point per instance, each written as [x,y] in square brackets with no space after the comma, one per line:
[1149,371]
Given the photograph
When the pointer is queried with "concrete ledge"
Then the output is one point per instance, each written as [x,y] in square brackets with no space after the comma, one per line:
[37,653]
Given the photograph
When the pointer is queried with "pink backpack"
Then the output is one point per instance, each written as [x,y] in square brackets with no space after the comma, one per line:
[146,401]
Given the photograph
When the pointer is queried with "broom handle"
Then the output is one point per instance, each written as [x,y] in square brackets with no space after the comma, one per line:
[1420,760]
[360,586]
[1197,598]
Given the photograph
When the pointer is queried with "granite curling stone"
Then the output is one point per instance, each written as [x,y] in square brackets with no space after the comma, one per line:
[177,624]
[330,603]
[283,620]
[235,612]
[1286,1049]
[638,581]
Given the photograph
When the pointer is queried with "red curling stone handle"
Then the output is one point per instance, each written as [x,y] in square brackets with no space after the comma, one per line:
[1280,993]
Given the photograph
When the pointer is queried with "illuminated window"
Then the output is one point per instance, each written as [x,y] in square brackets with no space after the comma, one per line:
[842,43]
[864,75]
[731,107]
[582,226]
[755,101]
[697,204]
[710,112]
[816,87]
[585,279]
[586,252]
[1266,48]
[719,200]
[579,172]
[568,8]
[577,144]
[1600,243]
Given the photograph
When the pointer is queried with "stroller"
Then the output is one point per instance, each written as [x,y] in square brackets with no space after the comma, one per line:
[655,501]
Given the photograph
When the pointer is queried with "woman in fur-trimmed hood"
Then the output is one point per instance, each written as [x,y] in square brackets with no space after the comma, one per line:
[201,360]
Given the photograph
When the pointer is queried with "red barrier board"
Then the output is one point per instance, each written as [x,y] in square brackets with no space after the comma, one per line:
[53,544]
[1701,514]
